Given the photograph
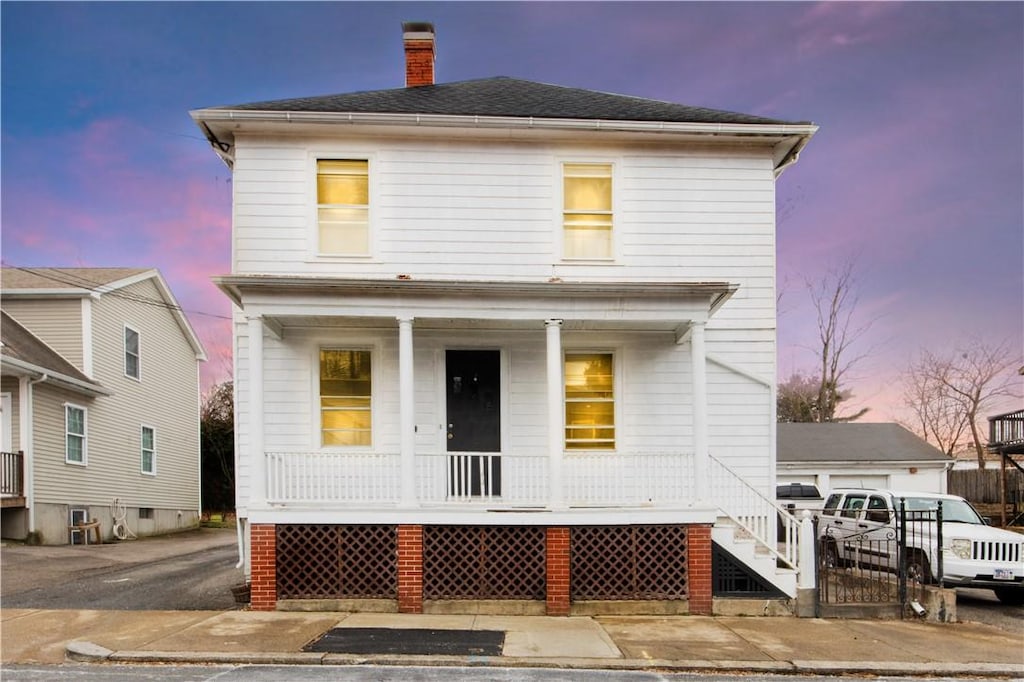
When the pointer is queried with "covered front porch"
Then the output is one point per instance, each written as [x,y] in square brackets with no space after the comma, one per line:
[535,459]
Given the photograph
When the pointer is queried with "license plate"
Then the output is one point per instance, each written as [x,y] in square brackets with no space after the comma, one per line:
[1003,574]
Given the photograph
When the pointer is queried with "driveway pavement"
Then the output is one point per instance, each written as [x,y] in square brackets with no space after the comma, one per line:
[184,571]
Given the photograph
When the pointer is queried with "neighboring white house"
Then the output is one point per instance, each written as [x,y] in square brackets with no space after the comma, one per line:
[859,455]
[100,402]
[498,339]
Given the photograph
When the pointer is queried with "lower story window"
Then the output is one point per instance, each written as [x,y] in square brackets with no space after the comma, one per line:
[345,392]
[148,450]
[589,401]
[74,434]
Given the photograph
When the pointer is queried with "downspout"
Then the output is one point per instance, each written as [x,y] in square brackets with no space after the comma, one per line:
[241,542]
[28,436]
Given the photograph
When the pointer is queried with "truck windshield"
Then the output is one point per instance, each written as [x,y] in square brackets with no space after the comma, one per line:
[953,511]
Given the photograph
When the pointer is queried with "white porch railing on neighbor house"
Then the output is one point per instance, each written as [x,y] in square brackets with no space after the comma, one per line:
[497,480]
[755,513]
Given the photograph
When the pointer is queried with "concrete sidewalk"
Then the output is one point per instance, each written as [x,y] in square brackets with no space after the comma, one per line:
[760,644]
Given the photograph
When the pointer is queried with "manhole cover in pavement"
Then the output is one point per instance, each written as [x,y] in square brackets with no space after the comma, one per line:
[409,641]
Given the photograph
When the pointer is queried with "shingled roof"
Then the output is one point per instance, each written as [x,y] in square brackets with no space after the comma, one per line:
[503,96]
[851,442]
[63,278]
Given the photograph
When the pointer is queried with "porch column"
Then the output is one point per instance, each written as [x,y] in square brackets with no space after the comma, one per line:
[556,414]
[406,413]
[257,457]
[698,360]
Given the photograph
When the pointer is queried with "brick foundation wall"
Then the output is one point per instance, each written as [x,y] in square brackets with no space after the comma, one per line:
[410,569]
[698,556]
[263,554]
[557,571]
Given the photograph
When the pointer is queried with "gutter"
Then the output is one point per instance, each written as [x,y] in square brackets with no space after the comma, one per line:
[204,116]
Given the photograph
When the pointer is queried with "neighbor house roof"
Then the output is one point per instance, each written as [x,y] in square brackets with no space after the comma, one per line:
[24,353]
[30,283]
[71,279]
[503,96]
[852,442]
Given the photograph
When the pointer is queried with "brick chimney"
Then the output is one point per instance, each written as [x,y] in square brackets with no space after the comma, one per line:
[418,37]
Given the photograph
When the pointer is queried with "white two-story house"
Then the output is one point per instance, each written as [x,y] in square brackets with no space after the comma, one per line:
[502,340]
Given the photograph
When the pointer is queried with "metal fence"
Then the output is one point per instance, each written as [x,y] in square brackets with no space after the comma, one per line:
[886,557]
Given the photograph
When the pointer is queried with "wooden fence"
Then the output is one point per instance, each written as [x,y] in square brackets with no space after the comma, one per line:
[981,486]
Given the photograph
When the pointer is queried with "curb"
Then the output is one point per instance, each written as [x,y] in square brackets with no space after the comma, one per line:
[87,652]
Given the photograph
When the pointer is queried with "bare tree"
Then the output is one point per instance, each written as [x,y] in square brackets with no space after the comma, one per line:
[835,301]
[949,393]
[939,418]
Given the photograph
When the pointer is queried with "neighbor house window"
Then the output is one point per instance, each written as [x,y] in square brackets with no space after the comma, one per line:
[131,353]
[587,210]
[345,387]
[343,199]
[75,451]
[148,450]
[589,401]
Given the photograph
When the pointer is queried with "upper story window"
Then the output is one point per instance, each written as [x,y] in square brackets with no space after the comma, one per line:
[343,205]
[587,210]
[148,450]
[589,401]
[345,397]
[132,359]
[75,450]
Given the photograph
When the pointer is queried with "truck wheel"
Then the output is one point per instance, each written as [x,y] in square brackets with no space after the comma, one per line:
[918,568]
[1011,596]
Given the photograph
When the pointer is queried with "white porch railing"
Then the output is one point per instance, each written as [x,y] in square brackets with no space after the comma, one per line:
[756,513]
[497,480]
[330,478]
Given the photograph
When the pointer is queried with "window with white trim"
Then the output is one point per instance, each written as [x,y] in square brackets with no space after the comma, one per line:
[148,440]
[132,357]
[589,401]
[587,210]
[345,398]
[343,207]
[75,434]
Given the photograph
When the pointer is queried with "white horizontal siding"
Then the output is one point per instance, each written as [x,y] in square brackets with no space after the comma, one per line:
[457,210]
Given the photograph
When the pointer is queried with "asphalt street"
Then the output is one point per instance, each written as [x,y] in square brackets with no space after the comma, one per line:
[374,673]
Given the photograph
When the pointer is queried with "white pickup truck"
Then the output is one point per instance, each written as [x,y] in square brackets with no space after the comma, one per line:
[861,526]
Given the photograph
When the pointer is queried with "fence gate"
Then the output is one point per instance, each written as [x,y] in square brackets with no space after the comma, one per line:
[879,556]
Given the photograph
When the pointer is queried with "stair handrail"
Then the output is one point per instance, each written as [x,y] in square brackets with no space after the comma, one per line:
[730,487]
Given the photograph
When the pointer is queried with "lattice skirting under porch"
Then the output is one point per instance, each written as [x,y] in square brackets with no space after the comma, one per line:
[413,564]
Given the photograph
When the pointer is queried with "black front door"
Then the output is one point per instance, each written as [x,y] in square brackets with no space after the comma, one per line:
[473,390]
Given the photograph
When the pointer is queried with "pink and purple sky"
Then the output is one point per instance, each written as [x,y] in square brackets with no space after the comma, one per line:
[917,171]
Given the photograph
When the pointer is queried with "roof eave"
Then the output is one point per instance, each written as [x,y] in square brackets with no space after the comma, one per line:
[218,126]
[30,369]
[238,287]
